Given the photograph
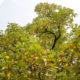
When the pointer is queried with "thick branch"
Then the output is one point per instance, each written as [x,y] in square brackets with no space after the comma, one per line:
[54,43]
[49,32]
[56,38]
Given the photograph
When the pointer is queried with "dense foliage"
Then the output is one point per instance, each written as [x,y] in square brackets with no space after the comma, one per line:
[43,49]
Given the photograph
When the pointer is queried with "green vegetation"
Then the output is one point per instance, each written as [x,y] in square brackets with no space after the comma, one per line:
[43,49]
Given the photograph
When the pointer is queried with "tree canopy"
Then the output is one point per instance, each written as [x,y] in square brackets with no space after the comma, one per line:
[51,22]
[43,49]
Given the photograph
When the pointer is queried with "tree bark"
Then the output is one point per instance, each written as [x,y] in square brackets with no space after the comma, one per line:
[55,40]
[54,43]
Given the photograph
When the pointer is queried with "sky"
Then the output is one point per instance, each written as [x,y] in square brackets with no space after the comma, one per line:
[22,11]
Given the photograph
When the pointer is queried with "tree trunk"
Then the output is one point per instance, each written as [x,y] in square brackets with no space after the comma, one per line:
[55,41]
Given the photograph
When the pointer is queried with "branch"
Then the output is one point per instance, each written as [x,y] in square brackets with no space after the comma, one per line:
[56,38]
[49,32]
[59,32]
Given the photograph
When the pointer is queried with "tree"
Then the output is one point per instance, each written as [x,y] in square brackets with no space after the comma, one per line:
[13,33]
[51,22]
[42,50]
